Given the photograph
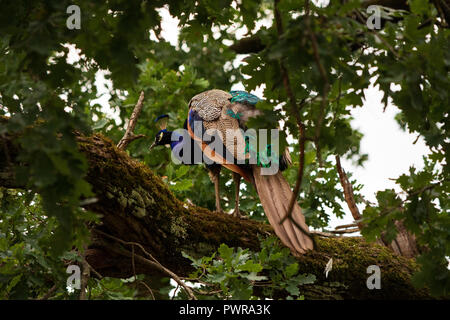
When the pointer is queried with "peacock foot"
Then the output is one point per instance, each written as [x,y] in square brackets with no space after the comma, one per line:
[237,214]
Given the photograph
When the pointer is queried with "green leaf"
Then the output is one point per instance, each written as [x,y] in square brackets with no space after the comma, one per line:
[250,266]
[418,6]
[182,185]
[291,270]
[293,289]
[100,124]
[225,252]
[252,276]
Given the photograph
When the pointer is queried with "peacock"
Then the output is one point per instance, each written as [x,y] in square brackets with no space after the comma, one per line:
[212,116]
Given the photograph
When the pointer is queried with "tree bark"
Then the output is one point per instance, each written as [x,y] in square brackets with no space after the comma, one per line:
[136,206]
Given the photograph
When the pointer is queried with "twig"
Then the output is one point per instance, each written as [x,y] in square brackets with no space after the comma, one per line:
[387,44]
[94,271]
[129,135]
[158,266]
[301,169]
[208,293]
[348,192]
[84,275]
[49,293]
[441,12]
[86,264]
[345,226]
[338,98]
[326,83]
[324,234]
[133,264]
[175,292]
[334,233]
[345,231]
[153,262]
[148,288]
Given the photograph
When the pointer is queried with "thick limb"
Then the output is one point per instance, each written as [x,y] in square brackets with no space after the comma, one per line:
[214,174]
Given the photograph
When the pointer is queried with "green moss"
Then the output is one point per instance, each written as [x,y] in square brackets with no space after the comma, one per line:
[122,200]
[351,258]
[147,199]
[136,202]
[178,228]
[139,212]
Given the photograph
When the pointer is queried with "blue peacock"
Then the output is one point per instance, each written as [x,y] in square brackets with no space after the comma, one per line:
[212,115]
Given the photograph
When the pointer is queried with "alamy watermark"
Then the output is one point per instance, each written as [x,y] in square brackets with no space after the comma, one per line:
[374,280]
[74,20]
[374,20]
[74,280]
[237,147]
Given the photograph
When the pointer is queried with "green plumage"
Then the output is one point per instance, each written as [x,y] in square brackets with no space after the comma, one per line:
[243,97]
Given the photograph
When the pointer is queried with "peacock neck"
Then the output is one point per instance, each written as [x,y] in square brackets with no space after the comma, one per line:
[175,139]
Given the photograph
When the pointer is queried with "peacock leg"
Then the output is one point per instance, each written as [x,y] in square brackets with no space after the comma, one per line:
[237,182]
[214,174]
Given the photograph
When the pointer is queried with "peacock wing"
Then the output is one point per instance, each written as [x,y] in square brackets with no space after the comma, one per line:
[209,104]
[230,132]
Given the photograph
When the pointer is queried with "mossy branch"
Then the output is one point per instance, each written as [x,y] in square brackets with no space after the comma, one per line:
[137,206]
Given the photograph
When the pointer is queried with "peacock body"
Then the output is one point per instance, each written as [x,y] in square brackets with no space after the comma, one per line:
[218,118]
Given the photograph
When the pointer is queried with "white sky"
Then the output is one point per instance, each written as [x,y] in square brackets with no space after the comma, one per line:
[391,150]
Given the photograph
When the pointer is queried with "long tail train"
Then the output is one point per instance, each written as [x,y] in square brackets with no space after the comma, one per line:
[275,194]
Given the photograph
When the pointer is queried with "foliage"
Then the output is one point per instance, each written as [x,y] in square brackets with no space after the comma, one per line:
[423,208]
[235,273]
[49,92]
[114,289]
[28,266]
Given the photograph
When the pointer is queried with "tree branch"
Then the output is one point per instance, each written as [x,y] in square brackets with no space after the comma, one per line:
[137,207]
[152,262]
[348,192]
[49,293]
[86,272]
[129,135]
[253,44]
[404,244]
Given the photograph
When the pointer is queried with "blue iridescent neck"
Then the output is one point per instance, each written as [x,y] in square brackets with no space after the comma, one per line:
[176,139]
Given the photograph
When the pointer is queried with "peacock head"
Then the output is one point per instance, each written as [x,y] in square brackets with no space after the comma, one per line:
[163,137]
